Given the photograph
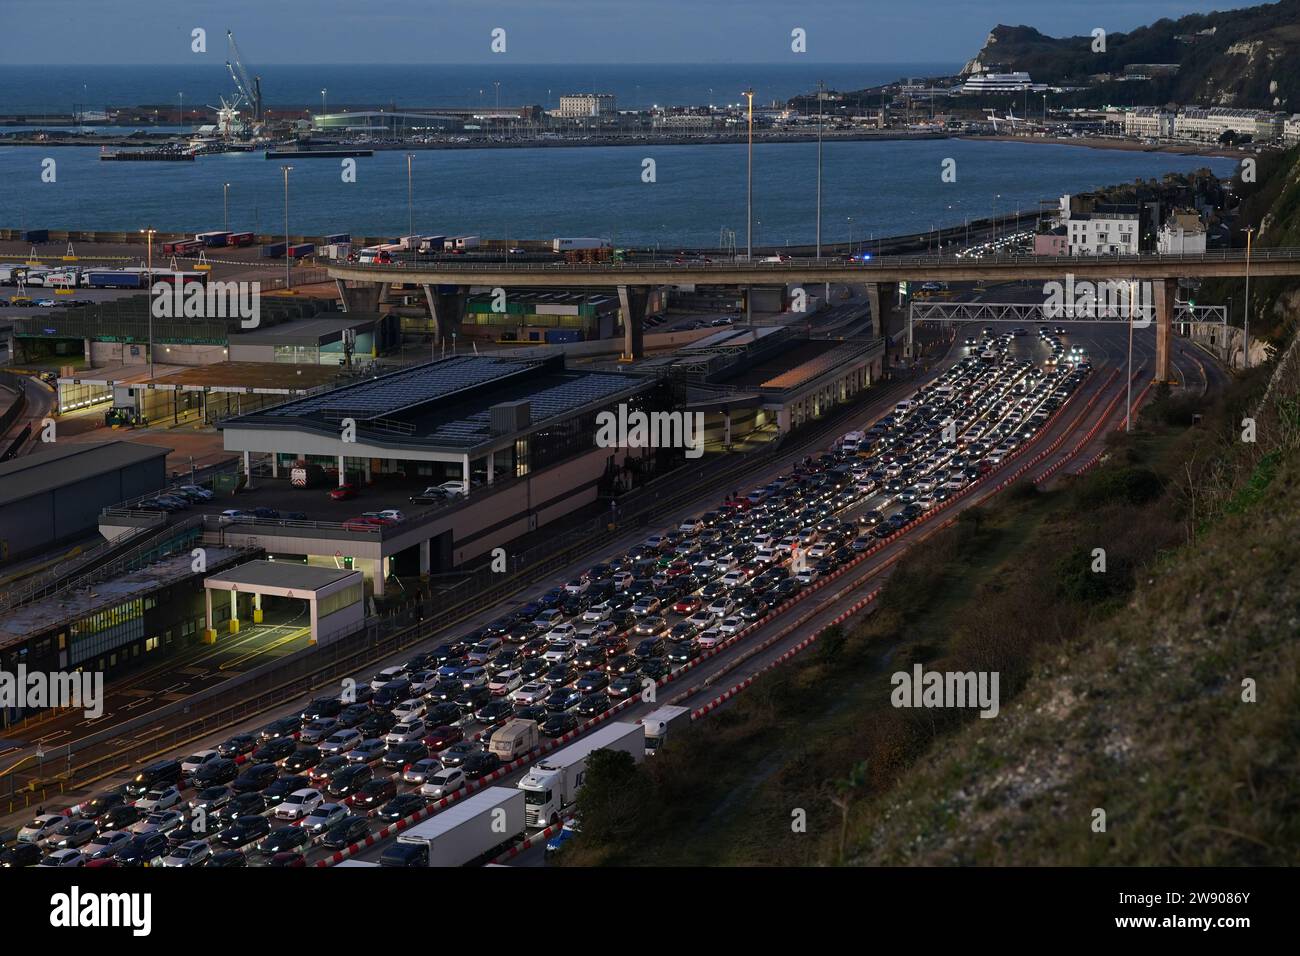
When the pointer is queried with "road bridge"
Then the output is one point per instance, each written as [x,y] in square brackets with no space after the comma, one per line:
[446,283]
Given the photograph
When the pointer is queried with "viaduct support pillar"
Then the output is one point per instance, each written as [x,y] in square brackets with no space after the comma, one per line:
[632,300]
[447,307]
[881,297]
[1165,292]
[361,298]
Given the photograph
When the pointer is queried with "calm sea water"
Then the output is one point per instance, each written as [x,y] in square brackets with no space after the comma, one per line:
[58,89]
[883,188]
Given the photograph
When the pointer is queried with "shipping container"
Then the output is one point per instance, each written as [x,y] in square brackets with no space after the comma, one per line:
[301,249]
[273,250]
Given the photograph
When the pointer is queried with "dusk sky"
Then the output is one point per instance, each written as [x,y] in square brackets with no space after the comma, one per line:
[549,31]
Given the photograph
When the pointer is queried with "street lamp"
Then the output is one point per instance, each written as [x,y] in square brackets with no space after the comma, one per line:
[148,238]
[850,221]
[821,96]
[1245,317]
[749,206]
[181,118]
[286,170]
[225,206]
[322,101]
[410,195]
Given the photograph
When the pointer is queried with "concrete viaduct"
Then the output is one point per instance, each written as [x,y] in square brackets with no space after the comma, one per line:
[446,283]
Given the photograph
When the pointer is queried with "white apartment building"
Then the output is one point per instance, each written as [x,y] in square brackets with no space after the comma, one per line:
[1291,129]
[575,105]
[997,83]
[1182,234]
[1209,124]
[1149,123]
[1104,232]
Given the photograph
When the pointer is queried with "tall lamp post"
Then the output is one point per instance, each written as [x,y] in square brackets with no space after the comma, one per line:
[286,170]
[322,101]
[1245,317]
[410,195]
[225,206]
[749,207]
[821,96]
[148,238]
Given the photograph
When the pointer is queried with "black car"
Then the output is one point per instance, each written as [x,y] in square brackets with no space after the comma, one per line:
[560,675]
[391,694]
[21,854]
[348,830]
[479,765]
[256,778]
[593,704]
[751,610]
[651,647]
[99,807]
[284,786]
[537,712]
[494,712]
[284,839]
[402,805]
[377,724]
[445,713]
[198,828]
[655,668]
[557,725]
[120,818]
[451,651]
[458,753]
[284,727]
[353,714]
[562,699]
[349,780]
[590,657]
[374,793]
[471,700]
[244,805]
[243,831]
[679,652]
[228,858]
[445,690]
[321,707]
[302,760]
[622,665]
[275,750]
[164,773]
[143,850]
[533,668]
[237,745]
[216,772]
[593,680]
[625,685]
[211,799]
[399,755]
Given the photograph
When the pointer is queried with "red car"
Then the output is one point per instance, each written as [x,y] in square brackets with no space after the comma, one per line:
[443,737]
[687,605]
[288,858]
[361,524]
[343,492]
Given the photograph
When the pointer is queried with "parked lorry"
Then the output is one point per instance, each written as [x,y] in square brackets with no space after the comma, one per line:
[514,739]
[212,239]
[240,239]
[460,243]
[561,244]
[553,783]
[301,249]
[273,250]
[337,237]
[659,724]
[468,830]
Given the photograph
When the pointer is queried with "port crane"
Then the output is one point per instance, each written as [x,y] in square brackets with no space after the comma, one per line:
[249,90]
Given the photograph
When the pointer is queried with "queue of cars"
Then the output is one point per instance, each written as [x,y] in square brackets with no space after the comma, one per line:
[418,731]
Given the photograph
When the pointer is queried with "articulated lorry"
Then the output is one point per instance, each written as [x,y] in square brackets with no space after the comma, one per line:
[553,783]
[466,831]
[663,721]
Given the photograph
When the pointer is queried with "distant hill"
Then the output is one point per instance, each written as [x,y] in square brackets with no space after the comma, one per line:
[1246,58]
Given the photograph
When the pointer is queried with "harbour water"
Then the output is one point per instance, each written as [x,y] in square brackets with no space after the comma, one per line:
[869,188]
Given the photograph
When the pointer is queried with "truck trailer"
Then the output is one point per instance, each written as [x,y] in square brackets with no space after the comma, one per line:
[659,724]
[553,783]
[514,739]
[561,244]
[466,831]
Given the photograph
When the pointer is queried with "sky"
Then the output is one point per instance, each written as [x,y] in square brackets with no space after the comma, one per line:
[550,31]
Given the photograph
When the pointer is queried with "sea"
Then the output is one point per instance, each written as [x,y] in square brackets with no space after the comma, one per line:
[692,195]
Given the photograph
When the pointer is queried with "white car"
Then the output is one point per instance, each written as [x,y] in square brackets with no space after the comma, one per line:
[299,804]
[405,732]
[160,798]
[560,651]
[710,638]
[731,625]
[391,514]
[597,613]
[733,579]
[483,651]
[323,817]
[385,675]
[341,742]
[577,586]
[721,606]
[528,694]
[191,764]
[505,682]
[453,488]
[409,710]
[189,853]
[807,576]
[229,515]
[443,783]
[64,858]
[702,619]
[690,526]
[561,632]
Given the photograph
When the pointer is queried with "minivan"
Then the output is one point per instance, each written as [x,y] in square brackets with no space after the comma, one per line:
[163,773]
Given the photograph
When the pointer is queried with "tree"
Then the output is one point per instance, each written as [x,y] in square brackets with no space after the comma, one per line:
[610,798]
[846,789]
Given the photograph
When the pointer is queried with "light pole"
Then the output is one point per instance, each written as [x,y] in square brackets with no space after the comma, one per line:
[1245,316]
[1128,410]
[225,206]
[410,194]
[286,170]
[148,238]
[181,118]
[820,97]
[850,221]
[322,101]
[749,181]
[497,84]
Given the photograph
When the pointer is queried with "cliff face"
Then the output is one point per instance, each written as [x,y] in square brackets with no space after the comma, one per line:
[1247,58]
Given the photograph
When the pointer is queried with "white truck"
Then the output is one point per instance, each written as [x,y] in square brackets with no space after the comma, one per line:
[465,831]
[561,244]
[459,243]
[660,723]
[554,782]
[514,739]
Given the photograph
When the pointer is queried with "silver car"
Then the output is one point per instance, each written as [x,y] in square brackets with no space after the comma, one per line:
[189,853]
